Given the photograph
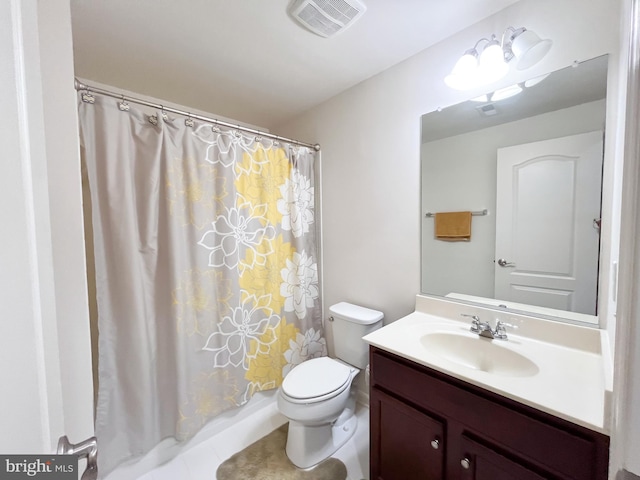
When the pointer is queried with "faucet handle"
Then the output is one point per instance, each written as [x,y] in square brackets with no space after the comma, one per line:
[501,329]
[475,322]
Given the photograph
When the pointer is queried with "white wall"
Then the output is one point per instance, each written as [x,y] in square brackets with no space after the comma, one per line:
[32,392]
[626,442]
[44,362]
[459,173]
[370,138]
[65,206]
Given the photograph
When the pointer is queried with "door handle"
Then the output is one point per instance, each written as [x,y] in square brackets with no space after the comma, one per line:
[503,263]
[88,448]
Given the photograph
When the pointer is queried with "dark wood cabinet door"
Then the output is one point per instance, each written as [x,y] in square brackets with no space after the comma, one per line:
[479,462]
[406,444]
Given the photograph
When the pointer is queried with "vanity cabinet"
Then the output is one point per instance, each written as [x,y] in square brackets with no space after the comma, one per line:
[427,425]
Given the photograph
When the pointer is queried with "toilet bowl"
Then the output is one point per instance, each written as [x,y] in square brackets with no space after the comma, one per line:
[317,399]
[316,396]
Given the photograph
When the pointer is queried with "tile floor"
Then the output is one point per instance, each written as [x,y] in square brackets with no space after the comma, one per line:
[201,461]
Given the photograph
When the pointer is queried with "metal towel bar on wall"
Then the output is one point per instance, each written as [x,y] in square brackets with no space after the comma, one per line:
[475,214]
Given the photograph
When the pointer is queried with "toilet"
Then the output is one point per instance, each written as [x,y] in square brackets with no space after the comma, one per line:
[316,395]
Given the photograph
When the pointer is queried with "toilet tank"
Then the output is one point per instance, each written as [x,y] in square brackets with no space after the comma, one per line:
[350,324]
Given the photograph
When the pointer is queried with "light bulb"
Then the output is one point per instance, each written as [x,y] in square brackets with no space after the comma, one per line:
[532,82]
[491,65]
[462,77]
[506,92]
[482,98]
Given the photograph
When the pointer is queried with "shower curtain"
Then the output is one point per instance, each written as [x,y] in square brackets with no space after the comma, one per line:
[206,270]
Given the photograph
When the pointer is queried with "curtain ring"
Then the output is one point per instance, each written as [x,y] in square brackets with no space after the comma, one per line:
[164,115]
[87,96]
[123,105]
[189,121]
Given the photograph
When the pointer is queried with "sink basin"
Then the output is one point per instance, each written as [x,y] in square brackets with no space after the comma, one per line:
[479,354]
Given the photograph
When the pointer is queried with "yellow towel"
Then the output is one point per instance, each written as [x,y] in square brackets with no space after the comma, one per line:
[453,226]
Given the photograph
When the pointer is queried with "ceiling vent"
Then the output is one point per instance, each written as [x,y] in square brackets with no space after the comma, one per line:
[326,17]
[487,110]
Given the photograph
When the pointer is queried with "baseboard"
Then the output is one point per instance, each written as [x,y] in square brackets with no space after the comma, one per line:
[362,397]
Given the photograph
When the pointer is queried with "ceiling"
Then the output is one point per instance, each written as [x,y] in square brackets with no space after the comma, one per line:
[246,59]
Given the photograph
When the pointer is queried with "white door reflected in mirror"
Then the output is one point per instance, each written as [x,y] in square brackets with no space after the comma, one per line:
[548,194]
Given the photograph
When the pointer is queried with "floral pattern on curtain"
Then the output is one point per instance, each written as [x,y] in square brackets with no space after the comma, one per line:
[206,271]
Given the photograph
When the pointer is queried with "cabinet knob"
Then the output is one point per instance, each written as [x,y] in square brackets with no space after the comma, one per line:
[435,444]
[466,463]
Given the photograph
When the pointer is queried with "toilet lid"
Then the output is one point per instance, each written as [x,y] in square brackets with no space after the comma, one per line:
[316,377]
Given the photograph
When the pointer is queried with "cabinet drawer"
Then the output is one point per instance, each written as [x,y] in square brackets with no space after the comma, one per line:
[550,443]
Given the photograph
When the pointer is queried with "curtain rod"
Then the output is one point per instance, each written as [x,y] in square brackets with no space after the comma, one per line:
[81,86]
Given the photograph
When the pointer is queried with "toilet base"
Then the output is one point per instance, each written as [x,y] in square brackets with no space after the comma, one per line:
[308,445]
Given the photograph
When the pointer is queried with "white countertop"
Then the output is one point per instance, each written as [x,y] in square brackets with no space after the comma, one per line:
[573,380]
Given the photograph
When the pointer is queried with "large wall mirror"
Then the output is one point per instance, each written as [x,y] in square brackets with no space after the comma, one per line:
[529,168]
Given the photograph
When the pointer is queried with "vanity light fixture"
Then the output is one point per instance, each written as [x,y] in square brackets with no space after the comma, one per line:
[510,91]
[488,61]
[482,98]
[507,92]
[500,94]
[532,82]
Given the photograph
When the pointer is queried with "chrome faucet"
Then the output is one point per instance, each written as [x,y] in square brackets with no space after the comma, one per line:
[484,329]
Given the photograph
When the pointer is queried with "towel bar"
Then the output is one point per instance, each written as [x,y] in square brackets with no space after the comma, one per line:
[478,213]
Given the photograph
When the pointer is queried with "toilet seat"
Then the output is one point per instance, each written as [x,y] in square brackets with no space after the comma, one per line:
[316,380]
